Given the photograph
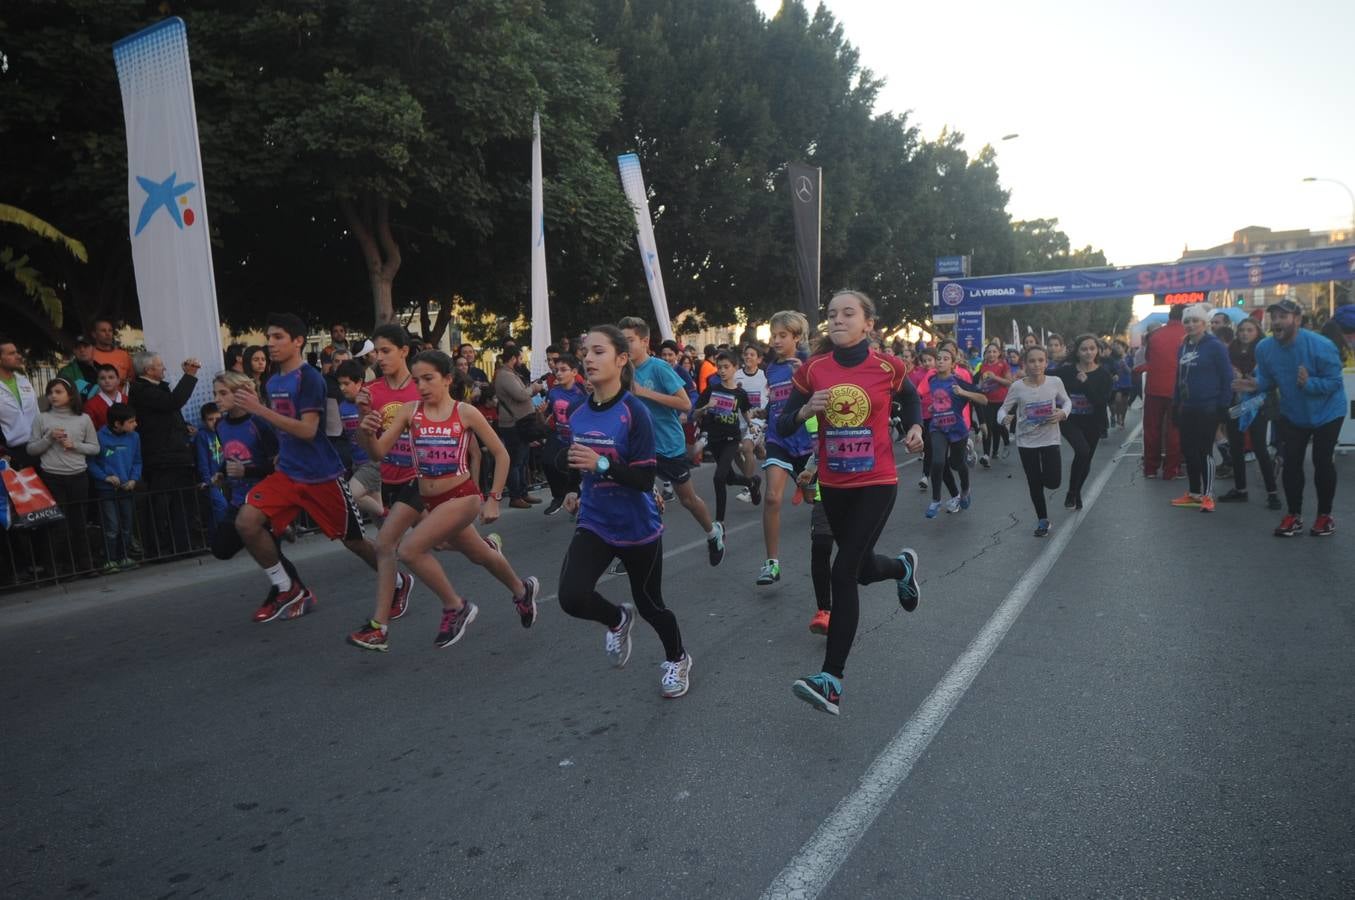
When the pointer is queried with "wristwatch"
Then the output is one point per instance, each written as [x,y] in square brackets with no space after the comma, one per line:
[603,464]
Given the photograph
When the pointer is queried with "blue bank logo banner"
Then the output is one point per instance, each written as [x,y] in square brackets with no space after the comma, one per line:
[1216,274]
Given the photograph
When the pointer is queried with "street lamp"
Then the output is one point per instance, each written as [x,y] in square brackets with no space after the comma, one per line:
[1347,189]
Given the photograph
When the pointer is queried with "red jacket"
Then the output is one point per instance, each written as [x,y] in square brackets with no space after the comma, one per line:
[1160,354]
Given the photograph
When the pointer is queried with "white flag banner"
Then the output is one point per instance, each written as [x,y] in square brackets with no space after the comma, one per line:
[540,297]
[1016,335]
[167,203]
[634,185]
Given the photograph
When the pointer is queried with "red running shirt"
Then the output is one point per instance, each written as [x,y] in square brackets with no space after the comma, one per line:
[398,466]
[855,448]
[439,444]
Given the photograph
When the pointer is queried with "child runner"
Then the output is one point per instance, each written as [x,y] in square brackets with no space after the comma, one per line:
[1124,382]
[1089,386]
[920,378]
[851,389]
[116,470]
[786,456]
[440,430]
[722,407]
[365,482]
[567,396]
[950,432]
[661,390]
[671,354]
[309,472]
[754,447]
[994,377]
[248,447]
[387,394]
[618,514]
[1039,403]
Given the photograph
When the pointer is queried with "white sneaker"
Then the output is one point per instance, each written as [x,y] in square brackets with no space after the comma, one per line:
[744,496]
[953,505]
[676,677]
[923,484]
[618,639]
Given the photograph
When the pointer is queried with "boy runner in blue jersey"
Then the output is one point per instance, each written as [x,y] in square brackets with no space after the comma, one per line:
[786,456]
[309,472]
[664,396]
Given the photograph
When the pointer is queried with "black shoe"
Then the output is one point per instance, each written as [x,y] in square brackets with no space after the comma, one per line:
[1069,502]
[1273,501]
[755,489]
[1234,496]
[1077,501]
[555,506]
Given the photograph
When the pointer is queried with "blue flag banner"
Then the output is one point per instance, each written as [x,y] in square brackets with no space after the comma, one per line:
[1224,273]
[969,328]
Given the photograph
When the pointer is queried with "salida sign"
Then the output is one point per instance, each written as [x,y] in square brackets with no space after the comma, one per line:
[1175,278]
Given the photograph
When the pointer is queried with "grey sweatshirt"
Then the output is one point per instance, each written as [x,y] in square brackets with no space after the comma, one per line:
[56,458]
[1034,408]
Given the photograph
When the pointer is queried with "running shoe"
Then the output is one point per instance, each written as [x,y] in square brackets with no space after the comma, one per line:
[495,541]
[744,496]
[1290,526]
[668,494]
[966,499]
[292,603]
[910,593]
[1152,475]
[616,568]
[618,638]
[1042,528]
[933,508]
[1207,504]
[109,568]
[1187,501]
[370,636]
[1077,501]
[756,489]
[923,484]
[454,622]
[1006,451]
[985,461]
[404,583]
[556,504]
[1069,501]
[770,574]
[1324,526]
[819,624]
[1273,501]
[716,545]
[1234,496]
[527,605]
[821,691]
[953,505]
[676,677]
[970,458]
[126,564]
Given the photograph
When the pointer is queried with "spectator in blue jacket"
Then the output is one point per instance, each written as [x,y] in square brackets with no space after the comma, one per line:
[207,456]
[116,470]
[1306,369]
[1203,392]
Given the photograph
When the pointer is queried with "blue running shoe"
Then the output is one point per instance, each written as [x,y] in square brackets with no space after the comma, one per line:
[933,508]
[965,499]
[909,591]
[821,691]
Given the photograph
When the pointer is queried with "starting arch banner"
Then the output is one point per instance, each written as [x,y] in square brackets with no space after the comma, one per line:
[1223,273]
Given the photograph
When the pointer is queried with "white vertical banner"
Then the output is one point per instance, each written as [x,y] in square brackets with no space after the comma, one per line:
[1016,335]
[167,203]
[540,296]
[634,185]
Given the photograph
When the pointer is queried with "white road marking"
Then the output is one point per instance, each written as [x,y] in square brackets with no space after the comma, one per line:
[810,871]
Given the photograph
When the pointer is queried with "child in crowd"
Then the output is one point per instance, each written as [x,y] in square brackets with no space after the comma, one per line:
[109,391]
[116,470]
[207,453]
[64,437]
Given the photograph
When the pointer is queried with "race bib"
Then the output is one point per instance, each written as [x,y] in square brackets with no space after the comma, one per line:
[944,421]
[439,456]
[780,393]
[850,450]
[1081,405]
[1039,412]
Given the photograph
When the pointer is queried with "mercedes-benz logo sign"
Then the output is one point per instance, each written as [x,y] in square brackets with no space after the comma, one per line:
[952,294]
[804,189]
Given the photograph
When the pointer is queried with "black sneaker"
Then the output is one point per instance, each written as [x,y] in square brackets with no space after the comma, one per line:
[1234,496]
[716,545]
[526,607]
[756,489]
[454,622]
[1077,501]
[1069,501]
[1273,501]
[555,506]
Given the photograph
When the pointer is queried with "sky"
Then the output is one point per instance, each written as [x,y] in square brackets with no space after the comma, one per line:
[1145,127]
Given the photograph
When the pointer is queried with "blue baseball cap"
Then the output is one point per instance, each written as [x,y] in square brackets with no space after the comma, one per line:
[1345,317]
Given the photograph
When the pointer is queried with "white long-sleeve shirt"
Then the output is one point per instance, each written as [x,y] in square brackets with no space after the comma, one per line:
[55,457]
[1035,406]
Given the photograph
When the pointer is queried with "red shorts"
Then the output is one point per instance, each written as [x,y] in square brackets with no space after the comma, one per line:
[467,488]
[329,504]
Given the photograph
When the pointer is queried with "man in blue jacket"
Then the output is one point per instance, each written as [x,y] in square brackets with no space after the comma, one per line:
[1306,369]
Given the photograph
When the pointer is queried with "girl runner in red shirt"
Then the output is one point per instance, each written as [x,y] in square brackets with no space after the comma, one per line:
[850,387]
[440,430]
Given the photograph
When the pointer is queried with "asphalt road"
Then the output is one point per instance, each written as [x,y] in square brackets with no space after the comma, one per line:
[1167,713]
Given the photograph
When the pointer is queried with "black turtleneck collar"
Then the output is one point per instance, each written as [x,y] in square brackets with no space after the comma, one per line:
[853,355]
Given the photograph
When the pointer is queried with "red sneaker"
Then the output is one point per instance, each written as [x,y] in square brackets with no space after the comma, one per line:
[1290,526]
[819,624]
[400,600]
[1325,526]
[370,636]
[1206,503]
[292,603]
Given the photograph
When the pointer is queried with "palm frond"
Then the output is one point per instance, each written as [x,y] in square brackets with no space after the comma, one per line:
[14,216]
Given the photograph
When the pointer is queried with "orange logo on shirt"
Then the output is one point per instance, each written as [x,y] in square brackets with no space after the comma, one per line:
[848,406]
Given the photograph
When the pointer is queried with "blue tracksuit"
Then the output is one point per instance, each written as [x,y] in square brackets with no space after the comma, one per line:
[1323,398]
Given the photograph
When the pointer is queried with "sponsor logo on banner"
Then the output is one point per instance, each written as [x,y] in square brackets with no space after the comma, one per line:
[952,294]
[994,292]
[804,189]
[168,195]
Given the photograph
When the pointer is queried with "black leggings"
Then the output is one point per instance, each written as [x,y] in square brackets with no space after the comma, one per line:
[1082,433]
[585,562]
[1324,464]
[993,430]
[226,543]
[1044,472]
[947,455]
[1237,448]
[857,516]
[821,570]
[726,453]
[927,447]
[1197,428]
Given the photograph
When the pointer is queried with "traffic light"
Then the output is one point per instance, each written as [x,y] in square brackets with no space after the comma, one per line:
[1239,301]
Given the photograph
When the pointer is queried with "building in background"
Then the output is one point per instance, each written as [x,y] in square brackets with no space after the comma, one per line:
[1319,299]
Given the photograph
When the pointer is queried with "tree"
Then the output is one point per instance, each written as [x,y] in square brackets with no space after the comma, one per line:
[34,286]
